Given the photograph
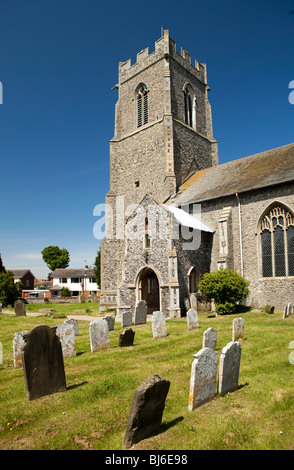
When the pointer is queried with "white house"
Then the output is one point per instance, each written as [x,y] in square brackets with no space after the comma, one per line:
[78,281]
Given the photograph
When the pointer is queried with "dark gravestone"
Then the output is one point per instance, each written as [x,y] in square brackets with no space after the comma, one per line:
[43,362]
[126,338]
[19,308]
[146,410]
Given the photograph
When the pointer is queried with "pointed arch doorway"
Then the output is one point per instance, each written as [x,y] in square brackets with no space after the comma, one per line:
[148,289]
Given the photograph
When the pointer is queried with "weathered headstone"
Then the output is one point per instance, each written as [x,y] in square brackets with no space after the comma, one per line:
[19,308]
[141,312]
[82,298]
[209,338]
[0,308]
[75,323]
[43,362]
[238,329]
[66,334]
[193,301]
[110,319]
[146,410]
[17,343]
[102,309]
[126,338]
[158,325]
[192,319]
[229,367]
[203,378]
[126,318]
[99,335]
[187,304]
[94,298]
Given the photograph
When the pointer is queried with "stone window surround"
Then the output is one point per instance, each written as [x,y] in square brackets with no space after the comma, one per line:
[258,232]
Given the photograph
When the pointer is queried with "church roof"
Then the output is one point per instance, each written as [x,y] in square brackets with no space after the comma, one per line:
[256,171]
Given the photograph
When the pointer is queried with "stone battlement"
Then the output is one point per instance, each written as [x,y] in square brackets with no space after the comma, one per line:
[165,47]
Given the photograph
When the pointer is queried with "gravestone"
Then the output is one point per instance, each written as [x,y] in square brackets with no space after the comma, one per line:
[66,334]
[238,328]
[82,299]
[193,301]
[192,319]
[203,378]
[158,325]
[288,310]
[146,410]
[74,323]
[19,308]
[126,318]
[102,309]
[209,338]
[110,319]
[126,338]
[17,343]
[187,304]
[141,312]
[43,362]
[0,308]
[99,335]
[94,298]
[229,367]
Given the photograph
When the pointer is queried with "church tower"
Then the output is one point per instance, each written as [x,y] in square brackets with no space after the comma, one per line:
[163,133]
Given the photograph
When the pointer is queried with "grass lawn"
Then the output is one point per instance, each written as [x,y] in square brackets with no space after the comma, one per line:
[93,412]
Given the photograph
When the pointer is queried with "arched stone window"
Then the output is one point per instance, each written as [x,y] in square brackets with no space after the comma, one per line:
[142,105]
[194,279]
[190,106]
[277,242]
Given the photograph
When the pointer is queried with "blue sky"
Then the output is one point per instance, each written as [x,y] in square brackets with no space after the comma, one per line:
[58,63]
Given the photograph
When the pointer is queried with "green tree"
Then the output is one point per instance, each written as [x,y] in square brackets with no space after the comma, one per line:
[226,287]
[97,268]
[9,290]
[55,257]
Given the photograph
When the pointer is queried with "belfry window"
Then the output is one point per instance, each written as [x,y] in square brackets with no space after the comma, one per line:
[142,105]
[277,242]
[190,107]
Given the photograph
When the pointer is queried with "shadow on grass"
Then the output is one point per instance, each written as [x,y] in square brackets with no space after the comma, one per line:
[70,387]
[164,427]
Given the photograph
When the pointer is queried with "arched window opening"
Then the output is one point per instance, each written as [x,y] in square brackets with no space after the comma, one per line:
[277,242]
[190,107]
[142,105]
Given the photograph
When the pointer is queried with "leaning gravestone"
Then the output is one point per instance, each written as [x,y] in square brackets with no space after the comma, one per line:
[110,319]
[288,310]
[187,304]
[66,334]
[126,338]
[238,328]
[126,318]
[17,343]
[192,319]
[19,308]
[158,325]
[229,367]
[74,323]
[203,378]
[209,338]
[141,312]
[146,410]
[99,335]
[43,362]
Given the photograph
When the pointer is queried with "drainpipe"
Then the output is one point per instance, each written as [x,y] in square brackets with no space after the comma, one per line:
[240,232]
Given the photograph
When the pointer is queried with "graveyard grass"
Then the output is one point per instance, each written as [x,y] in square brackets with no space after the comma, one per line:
[93,412]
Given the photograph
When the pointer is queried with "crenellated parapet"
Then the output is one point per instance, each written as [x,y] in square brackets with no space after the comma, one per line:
[165,47]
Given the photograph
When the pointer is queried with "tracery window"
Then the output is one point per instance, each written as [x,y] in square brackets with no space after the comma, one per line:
[142,105]
[277,242]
